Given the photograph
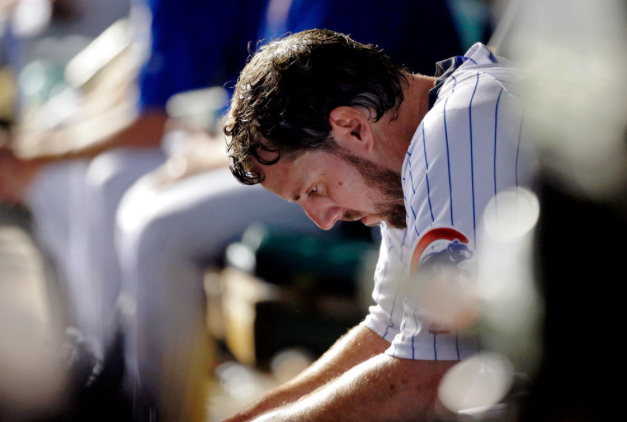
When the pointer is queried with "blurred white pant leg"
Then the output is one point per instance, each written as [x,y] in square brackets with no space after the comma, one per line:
[55,200]
[168,236]
[74,204]
[108,177]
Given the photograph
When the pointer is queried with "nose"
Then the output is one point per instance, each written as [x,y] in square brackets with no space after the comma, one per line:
[324,215]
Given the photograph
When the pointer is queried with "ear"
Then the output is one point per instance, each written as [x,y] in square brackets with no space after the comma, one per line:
[351,129]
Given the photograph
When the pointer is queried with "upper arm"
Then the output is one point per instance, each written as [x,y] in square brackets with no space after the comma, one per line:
[384,318]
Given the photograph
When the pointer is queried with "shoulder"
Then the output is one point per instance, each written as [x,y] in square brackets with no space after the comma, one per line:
[481,73]
[471,94]
[474,87]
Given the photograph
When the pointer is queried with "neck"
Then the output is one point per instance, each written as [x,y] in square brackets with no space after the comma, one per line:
[412,110]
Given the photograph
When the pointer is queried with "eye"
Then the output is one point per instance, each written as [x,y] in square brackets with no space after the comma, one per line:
[313,190]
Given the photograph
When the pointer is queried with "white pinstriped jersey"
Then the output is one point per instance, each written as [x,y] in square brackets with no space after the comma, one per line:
[469,146]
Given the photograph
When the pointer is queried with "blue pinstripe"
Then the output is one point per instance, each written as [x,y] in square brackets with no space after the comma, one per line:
[435,346]
[403,244]
[424,144]
[496,121]
[385,270]
[490,55]
[413,337]
[472,164]
[411,178]
[448,161]
[393,305]
[518,147]
[402,327]
[390,323]
[457,344]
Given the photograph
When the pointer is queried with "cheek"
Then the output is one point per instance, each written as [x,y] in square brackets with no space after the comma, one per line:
[349,190]
[353,196]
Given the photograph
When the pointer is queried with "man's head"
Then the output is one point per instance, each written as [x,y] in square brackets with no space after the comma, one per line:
[311,103]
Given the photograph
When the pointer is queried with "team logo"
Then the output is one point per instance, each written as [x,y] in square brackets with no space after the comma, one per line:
[438,249]
[435,263]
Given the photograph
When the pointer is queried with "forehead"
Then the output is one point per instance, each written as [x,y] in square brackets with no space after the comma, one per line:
[285,177]
[289,178]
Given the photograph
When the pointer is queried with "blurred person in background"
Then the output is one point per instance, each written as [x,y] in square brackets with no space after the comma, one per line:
[74,197]
[43,35]
[362,138]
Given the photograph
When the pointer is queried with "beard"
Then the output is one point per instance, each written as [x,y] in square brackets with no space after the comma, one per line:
[390,206]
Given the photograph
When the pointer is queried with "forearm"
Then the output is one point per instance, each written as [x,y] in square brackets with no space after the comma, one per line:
[381,389]
[359,345]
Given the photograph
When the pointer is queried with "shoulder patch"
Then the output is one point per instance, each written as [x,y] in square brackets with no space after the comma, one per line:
[456,248]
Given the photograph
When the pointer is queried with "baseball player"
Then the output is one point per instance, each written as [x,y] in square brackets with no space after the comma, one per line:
[337,127]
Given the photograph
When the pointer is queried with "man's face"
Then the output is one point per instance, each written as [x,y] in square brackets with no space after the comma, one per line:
[338,186]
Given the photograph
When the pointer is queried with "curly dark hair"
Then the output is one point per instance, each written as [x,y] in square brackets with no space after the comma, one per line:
[286,92]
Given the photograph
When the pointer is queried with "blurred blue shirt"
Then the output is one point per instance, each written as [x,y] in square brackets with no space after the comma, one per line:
[201,43]
[417,33]
[196,44]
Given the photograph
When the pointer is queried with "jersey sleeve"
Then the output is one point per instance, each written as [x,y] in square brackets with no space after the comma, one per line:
[466,150]
[384,317]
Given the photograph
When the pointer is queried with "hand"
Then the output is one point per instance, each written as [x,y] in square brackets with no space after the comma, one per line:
[199,154]
[16,176]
